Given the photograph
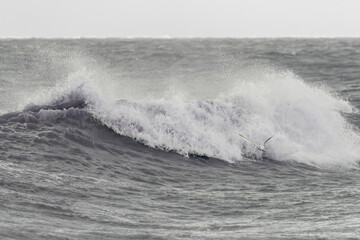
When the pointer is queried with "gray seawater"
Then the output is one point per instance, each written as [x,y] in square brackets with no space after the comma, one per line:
[138,139]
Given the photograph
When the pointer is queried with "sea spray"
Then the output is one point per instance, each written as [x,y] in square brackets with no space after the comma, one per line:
[306,121]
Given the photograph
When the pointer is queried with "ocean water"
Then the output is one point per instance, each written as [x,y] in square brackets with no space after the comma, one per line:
[139,139]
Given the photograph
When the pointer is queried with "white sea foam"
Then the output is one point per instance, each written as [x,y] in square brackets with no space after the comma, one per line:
[306,120]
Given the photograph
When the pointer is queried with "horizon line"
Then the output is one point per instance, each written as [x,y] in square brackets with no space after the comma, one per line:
[169,37]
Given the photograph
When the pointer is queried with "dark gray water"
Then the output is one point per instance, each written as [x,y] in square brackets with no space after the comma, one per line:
[138,139]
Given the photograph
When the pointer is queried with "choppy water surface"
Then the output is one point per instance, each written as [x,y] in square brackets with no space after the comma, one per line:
[139,139]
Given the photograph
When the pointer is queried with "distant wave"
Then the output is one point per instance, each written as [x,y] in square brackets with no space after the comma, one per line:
[306,121]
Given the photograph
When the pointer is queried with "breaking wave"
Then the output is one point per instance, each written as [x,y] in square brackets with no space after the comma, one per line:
[307,122]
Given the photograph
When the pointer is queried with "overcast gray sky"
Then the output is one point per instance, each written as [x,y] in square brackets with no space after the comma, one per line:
[180,18]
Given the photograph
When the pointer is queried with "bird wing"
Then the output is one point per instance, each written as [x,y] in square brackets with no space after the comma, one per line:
[245,138]
[268,139]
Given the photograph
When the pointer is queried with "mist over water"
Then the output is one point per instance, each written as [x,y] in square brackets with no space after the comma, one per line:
[141,138]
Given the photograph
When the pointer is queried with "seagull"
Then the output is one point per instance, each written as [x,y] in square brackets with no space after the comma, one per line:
[259,147]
